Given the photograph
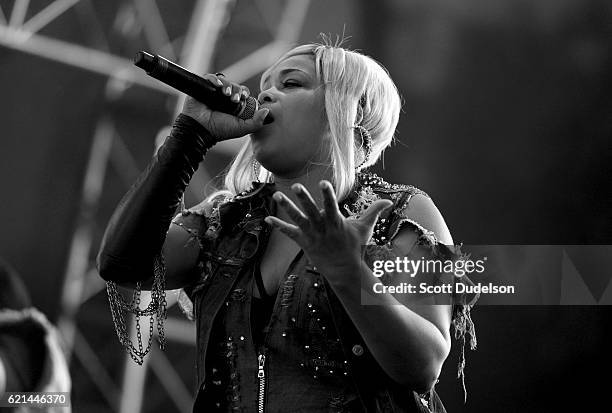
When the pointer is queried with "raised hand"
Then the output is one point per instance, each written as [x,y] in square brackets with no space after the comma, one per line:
[331,241]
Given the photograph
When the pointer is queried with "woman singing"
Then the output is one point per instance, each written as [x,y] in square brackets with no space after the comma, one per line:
[274,263]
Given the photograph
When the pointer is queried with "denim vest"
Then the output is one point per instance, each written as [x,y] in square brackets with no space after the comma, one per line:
[313,358]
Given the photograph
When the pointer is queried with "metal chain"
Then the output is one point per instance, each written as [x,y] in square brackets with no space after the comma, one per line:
[157,308]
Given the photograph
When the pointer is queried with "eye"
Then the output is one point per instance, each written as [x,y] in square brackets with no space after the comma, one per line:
[291,83]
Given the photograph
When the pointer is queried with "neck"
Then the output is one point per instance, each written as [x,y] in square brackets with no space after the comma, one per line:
[310,180]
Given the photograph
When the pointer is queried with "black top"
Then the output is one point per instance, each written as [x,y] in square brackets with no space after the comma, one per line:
[262,307]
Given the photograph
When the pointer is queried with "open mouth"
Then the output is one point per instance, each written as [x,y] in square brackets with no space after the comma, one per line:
[269,119]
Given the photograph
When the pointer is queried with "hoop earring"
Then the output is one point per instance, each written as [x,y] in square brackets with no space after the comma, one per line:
[366,143]
[256,170]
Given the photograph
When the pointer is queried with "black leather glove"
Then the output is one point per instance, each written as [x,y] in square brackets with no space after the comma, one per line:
[137,229]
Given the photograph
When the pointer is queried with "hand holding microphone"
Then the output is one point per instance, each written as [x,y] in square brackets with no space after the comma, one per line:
[224,108]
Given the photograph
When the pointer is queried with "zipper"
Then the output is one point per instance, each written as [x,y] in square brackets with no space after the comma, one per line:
[261,360]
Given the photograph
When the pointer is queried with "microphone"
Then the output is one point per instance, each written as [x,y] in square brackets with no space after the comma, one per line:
[195,86]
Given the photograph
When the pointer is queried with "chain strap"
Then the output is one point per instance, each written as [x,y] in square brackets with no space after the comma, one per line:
[157,308]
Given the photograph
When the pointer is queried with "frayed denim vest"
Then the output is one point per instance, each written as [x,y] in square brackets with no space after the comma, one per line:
[313,358]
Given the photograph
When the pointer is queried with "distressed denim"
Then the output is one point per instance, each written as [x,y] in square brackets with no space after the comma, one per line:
[315,359]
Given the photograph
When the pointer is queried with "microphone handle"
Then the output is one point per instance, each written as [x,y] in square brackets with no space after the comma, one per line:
[187,82]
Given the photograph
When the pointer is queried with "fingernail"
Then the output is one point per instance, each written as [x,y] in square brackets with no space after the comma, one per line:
[296,188]
[236,97]
[277,196]
[228,91]
[220,83]
[322,185]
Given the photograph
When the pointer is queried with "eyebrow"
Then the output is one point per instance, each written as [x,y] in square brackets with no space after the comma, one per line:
[284,72]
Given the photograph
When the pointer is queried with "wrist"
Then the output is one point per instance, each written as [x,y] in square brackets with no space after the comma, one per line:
[184,126]
[347,275]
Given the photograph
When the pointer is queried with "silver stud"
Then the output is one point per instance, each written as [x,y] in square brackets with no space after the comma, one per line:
[248,216]
[284,334]
[241,338]
[357,350]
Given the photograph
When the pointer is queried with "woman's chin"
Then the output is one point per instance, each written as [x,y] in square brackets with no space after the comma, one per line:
[262,132]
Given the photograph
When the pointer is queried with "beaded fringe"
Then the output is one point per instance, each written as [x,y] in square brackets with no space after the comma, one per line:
[157,309]
[463,325]
[462,319]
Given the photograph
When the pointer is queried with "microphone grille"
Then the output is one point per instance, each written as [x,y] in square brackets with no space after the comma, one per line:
[249,108]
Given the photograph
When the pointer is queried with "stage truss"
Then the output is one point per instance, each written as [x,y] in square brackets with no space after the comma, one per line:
[23,27]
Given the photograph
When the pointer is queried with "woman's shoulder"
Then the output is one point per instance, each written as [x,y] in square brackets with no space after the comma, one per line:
[413,208]
[210,204]
[393,190]
[200,217]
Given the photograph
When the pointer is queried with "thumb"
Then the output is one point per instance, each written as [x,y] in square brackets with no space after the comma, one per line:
[371,214]
[254,124]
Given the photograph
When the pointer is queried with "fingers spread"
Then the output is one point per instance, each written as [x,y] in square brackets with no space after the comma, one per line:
[330,203]
[294,212]
[310,207]
[371,214]
[288,229]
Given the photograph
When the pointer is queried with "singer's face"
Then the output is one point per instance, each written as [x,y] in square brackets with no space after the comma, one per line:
[297,134]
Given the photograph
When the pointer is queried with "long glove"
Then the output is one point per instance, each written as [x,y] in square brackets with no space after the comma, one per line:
[137,228]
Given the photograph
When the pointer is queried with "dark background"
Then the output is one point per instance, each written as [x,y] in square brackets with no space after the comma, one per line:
[506,124]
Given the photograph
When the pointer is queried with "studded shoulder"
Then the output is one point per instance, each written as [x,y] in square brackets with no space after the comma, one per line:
[371,187]
[378,184]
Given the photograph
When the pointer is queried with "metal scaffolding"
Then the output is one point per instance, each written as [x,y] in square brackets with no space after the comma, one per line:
[23,29]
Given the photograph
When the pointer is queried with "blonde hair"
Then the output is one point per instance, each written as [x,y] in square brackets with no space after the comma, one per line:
[358,91]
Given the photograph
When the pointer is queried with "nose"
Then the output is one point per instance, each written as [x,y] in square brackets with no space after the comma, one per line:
[265,96]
